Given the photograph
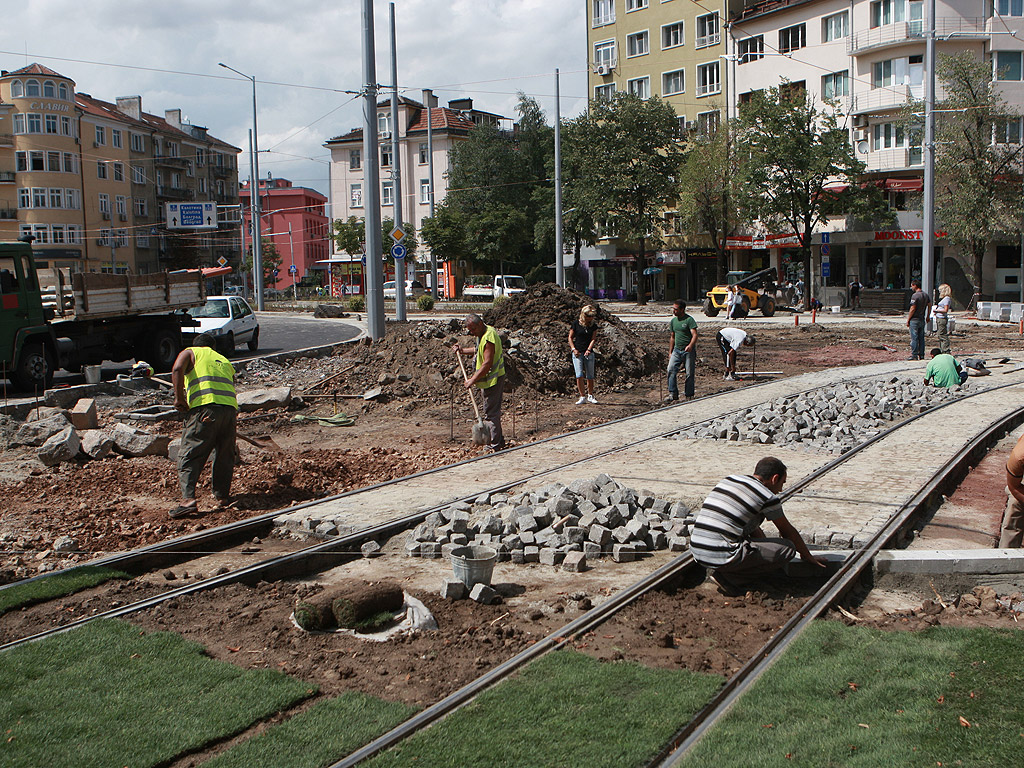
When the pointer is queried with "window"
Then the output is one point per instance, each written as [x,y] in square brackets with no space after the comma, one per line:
[58,232]
[604,12]
[641,87]
[423,153]
[387,193]
[62,91]
[606,92]
[385,155]
[1008,66]
[70,162]
[56,197]
[200,157]
[31,87]
[101,169]
[895,72]
[49,89]
[138,174]
[750,49]
[172,149]
[141,206]
[51,124]
[121,205]
[604,54]
[24,198]
[356,195]
[21,161]
[17,89]
[72,199]
[53,162]
[424,191]
[202,184]
[19,122]
[35,123]
[101,136]
[673,82]
[707,122]
[792,38]
[35,160]
[637,44]
[115,137]
[122,237]
[708,79]
[66,127]
[383,122]
[355,159]
[190,169]
[835,85]
[42,233]
[1005,8]
[104,203]
[74,233]
[888,136]
[138,142]
[38,197]
[707,30]
[176,180]
[1008,131]
[104,237]
[673,35]
[887,12]
[836,26]
[635,5]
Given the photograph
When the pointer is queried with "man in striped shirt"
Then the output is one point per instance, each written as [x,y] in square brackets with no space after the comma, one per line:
[727,538]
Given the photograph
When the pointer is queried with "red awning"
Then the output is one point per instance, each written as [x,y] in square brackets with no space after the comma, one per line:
[904,185]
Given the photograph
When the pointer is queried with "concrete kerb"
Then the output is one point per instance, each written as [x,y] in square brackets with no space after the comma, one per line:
[950,562]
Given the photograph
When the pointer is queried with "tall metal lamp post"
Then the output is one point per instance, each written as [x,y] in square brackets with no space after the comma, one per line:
[254,195]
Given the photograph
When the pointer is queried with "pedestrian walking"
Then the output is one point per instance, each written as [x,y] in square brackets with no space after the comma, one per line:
[941,312]
[919,303]
[682,350]
[489,375]
[582,337]
[855,287]
[204,385]
[733,302]
[729,341]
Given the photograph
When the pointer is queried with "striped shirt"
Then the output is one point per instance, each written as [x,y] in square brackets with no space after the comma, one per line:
[733,509]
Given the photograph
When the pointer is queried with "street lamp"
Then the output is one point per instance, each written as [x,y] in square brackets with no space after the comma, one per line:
[254,194]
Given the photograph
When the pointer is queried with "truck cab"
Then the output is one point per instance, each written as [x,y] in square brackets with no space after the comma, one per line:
[26,342]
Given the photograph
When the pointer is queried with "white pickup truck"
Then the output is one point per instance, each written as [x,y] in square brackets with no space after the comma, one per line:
[487,288]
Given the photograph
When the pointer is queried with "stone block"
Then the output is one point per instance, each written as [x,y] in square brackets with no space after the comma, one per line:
[678,543]
[483,594]
[453,589]
[264,399]
[35,433]
[623,553]
[550,556]
[63,446]
[83,415]
[370,549]
[326,528]
[574,562]
[137,442]
[531,554]
[574,534]
[599,535]
[592,550]
[98,443]
[412,549]
[430,550]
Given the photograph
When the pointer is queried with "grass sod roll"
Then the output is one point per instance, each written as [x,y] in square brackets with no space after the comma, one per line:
[368,606]
[314,614]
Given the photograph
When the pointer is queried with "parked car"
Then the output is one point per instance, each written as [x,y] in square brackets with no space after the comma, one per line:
[229,318]
[413,288]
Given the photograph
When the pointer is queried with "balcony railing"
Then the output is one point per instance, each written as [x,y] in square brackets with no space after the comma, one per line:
[713,39]
[177,162]
[910,31]
[221,170]
[174,193]
[886,97]
[900,158]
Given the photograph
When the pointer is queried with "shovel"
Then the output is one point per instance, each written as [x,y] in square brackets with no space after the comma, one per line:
[481,435]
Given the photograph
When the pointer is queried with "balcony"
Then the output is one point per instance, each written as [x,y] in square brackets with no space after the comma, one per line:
[174,193]
[887,97]
[898,159]
[174,162]
[222,171]
[8,214]
[903,32]
[6,139]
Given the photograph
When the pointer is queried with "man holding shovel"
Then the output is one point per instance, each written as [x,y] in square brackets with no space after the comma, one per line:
[489,375]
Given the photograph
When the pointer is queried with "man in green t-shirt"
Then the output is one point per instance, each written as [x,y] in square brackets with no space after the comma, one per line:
[943,370]
[682,350]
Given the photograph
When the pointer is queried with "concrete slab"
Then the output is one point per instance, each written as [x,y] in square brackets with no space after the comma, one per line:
[940,562]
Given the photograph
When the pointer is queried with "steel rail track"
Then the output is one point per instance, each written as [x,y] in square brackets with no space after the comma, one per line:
[948,475]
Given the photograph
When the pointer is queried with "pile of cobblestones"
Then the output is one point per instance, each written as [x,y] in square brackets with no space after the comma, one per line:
[833,419]
[558,525]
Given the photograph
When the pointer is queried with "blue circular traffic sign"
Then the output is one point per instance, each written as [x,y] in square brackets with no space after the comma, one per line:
[398,251]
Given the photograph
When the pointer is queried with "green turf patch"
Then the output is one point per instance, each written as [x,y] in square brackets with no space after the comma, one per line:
[564,710]
[58,585]
[320,736]
[852,697]
[107,694]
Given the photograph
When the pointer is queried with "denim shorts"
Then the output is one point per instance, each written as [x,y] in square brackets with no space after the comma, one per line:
[581,364]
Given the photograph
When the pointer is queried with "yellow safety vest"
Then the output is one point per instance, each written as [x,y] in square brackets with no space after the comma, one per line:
[211,380]
[498,365]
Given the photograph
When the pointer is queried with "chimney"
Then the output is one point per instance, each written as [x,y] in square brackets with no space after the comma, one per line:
[460,104]
[130,105]
[173,117]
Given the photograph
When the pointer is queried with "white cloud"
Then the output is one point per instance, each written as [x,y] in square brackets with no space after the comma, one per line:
[484,49]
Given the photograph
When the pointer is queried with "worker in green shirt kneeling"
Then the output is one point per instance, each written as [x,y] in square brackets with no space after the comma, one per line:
[944,371]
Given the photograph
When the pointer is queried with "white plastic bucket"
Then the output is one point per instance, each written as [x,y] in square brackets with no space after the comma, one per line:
[92,374]
[473,565]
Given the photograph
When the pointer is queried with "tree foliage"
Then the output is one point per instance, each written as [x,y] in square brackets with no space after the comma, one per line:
[270,260]
[350,234]
[626,156]
[445,234]
[978,184]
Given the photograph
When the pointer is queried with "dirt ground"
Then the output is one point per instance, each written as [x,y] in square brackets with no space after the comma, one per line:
[421,420]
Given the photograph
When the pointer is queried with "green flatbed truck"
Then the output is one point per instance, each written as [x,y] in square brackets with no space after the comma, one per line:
[53,318]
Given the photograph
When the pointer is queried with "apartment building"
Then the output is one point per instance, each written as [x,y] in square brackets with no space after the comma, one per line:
[88,178]
[868,55]
[294,219]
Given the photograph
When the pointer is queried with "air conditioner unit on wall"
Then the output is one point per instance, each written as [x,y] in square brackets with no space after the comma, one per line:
[384,135]
[861,134]
[603,70]
[860,121]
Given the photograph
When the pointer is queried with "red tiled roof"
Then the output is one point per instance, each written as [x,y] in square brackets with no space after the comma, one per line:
[38,69]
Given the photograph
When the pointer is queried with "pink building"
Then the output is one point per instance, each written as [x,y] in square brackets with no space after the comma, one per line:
[281,206]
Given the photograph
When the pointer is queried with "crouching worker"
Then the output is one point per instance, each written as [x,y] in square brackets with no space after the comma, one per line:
[944,371]
[727,538]
[204,386]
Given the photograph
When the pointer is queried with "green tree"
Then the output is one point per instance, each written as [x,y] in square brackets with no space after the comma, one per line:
[977,182]
[628,159]
[349,235]
[792,151]
[706,199]
[269,258]
[445,234]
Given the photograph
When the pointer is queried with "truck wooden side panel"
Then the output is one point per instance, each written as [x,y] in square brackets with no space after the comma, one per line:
[96,296]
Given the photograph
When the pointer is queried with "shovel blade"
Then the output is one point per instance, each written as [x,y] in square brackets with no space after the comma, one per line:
[481,434]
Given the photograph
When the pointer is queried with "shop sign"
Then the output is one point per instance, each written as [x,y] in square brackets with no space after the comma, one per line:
[904,234]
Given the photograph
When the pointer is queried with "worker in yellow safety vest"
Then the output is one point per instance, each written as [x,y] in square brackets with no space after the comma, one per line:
[489,375]
[204,387]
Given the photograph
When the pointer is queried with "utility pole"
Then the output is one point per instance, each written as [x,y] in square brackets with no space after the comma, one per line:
[559,267]
[371,180]
[428,98]
[396,173]
[293,271]
[928,235]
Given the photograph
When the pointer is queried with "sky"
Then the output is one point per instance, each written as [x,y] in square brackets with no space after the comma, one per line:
[305,55]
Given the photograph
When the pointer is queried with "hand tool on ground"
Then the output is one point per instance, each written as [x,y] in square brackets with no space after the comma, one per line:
[265,443]
[481,435]
[753,358]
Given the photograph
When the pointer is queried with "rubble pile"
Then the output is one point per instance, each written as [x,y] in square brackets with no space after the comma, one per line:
[558,525]
[833,419]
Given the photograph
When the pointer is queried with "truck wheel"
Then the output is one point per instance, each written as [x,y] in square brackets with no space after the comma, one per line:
[767,306]
[34,370]
[254,342]
[710,309]
[163,350]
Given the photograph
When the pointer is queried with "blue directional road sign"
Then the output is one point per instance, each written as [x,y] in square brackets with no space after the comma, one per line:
[191,215]
[398,251]
[293,269]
